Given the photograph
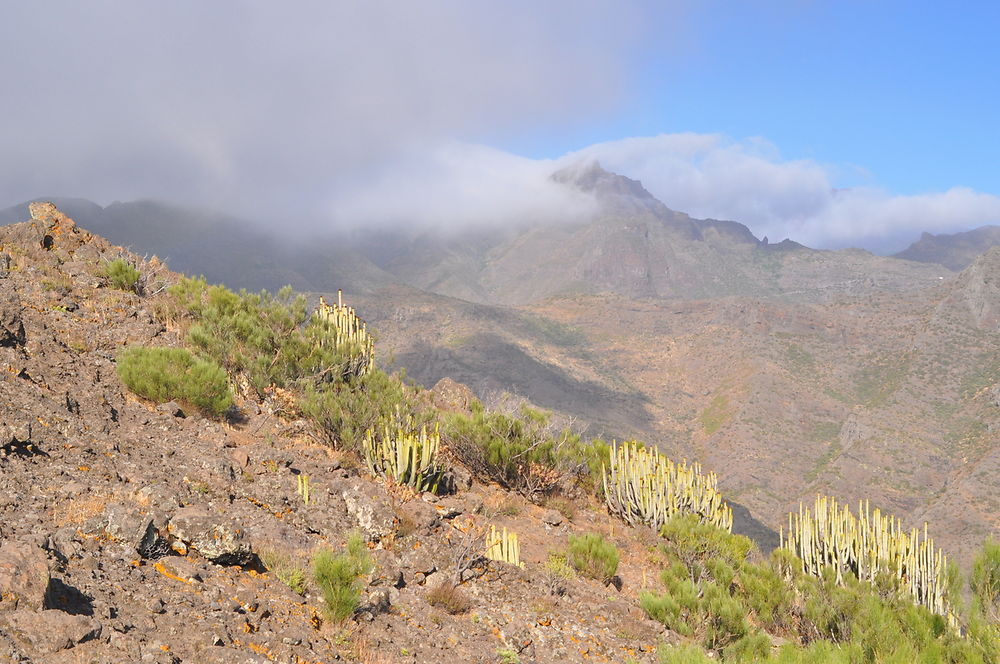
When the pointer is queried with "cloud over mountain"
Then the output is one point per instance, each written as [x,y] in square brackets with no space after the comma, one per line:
[713,176]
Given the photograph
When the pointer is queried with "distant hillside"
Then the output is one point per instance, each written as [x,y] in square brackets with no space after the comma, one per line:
[221,247]
[955,251]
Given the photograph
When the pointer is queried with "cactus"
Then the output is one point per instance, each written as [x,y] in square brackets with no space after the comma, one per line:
[349,335]
[502,546]
[643,486]
[302,487]
[406,457]
[868,545]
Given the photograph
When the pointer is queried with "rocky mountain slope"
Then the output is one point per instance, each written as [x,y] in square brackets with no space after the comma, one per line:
[136,531]
[955,251]
[133,531]
[796,370]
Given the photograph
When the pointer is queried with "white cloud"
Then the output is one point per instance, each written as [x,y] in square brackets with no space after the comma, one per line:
[262,107]
[712,176]
[454,185]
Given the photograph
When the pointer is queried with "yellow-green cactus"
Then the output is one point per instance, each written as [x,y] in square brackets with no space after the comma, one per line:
[406,457]
[348,334]
[502,545]
[868,545]
[643,486]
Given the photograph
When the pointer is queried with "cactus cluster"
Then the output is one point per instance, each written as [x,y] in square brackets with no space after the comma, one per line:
[502,545]
[868,545]
[405,456]
[349,335]
[643,486]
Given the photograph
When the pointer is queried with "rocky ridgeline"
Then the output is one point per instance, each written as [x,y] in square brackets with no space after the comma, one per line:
[133,532]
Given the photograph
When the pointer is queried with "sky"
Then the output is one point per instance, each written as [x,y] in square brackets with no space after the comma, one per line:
[834,123]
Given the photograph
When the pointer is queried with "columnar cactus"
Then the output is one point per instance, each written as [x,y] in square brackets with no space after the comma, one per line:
[406,457]
[868,545]
[643,486]
[503,546]
[349,335]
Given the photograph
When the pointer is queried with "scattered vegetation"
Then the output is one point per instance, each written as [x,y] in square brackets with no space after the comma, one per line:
[593,556]
[339,577]
[449,598]
[285,569]
[122,274]
[715,414]
[166,374]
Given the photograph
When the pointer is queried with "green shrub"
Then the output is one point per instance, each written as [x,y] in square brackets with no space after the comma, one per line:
[271,339]
[339,577]
[166,374]
[344,411]
[122,274]
[593,556]
[714,596]
[518,451]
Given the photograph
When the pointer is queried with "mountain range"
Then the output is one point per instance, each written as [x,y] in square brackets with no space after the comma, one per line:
[793,370]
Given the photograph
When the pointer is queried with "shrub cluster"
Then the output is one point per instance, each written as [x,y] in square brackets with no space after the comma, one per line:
[518,451]
[165,374]
[122,274]
[339,577]
[711,590]
[593,556]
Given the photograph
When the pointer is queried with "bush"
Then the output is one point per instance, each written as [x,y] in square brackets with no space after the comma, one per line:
[344,411]
[339,577]
[518,451]
[449,598]
[166,374]
[122,274]
[271,339]
[593,556]
[710,589]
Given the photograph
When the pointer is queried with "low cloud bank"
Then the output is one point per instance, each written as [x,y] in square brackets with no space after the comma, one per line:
[712,176]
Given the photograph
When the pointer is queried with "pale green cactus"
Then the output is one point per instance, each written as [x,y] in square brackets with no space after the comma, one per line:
[503,546]
[348,334]
[868,545]
[643,486]
[406,457]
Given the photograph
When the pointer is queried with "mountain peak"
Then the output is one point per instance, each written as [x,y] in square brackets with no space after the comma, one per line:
[591,177]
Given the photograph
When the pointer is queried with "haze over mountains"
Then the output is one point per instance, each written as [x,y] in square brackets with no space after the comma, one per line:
[792,370]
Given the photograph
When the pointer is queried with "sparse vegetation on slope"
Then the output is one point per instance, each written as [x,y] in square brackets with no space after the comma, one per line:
[166,374]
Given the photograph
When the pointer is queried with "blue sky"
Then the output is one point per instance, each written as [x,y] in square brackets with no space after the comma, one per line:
[905,94]
[833,123]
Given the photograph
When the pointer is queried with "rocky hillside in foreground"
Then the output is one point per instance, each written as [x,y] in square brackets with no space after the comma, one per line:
[100,490]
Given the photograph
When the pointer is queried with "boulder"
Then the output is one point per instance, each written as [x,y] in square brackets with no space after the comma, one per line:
[46,632]
[24,577]
[129,525]
[212,535]
[371,509]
